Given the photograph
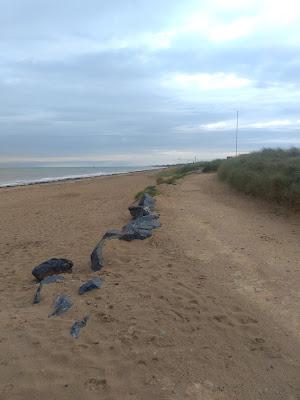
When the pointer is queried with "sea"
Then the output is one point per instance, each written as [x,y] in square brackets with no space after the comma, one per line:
[28,176]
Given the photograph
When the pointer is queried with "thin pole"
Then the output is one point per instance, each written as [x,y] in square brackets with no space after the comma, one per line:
[236,133]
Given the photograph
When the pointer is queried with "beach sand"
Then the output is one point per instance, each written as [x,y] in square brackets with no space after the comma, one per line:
[208,308]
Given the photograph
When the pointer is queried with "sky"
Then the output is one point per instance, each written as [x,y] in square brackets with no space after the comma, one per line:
[146,82]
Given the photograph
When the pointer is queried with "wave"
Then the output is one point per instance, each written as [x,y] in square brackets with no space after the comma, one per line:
[38,181]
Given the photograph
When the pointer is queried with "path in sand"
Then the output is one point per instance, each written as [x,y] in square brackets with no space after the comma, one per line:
[208,308]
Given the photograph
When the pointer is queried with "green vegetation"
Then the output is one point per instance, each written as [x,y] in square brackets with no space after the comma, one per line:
[273,174]
[212,166]
[152,190]
[270,174]
[171,175]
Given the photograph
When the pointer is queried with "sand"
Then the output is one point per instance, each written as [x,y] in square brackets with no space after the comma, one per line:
[208,308]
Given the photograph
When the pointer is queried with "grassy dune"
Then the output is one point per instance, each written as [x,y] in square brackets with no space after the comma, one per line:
[152,190]
[171,175]
[270,174]
[273,174]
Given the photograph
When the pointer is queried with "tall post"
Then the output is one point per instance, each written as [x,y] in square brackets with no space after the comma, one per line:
[236,133]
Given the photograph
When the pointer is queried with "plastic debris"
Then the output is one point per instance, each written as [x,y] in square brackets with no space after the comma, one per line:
[78,325]
[52,279]
[37,296]
[97,262]
[61,305]
[91,284]
[52,267]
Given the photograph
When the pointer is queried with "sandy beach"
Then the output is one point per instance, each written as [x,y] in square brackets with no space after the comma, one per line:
[205,309]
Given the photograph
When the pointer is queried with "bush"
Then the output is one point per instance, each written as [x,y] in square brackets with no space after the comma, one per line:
[273,174]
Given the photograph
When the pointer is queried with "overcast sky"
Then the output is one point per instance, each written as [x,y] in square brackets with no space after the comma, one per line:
[146,82]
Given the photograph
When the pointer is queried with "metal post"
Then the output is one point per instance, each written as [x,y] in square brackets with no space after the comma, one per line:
[236,133]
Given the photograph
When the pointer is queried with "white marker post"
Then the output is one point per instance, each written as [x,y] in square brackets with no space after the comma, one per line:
[236,133]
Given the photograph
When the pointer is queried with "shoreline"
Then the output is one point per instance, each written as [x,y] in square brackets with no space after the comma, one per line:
[47,181]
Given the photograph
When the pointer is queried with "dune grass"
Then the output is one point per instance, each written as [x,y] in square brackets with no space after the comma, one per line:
[212,166]
[151,190]
[171,175]
[273,174]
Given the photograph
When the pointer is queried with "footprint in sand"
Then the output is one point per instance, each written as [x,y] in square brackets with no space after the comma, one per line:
[259,344]
[223,319]
[246,320]
[104,317]
[203,391]
[96,385]
[7,388]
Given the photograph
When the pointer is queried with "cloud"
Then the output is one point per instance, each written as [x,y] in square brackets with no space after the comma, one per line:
[109,80]
[206,81]
[275,124]
[231,125]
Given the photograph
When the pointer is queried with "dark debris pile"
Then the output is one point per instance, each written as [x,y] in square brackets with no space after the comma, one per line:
[140,227]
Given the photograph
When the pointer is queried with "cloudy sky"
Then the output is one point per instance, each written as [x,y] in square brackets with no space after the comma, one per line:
[143,82]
